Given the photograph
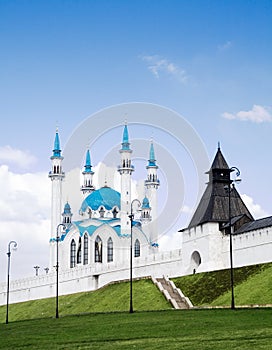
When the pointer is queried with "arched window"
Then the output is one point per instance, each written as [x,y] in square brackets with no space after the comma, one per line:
[110,250]
[73,254]
[79,251]
[115,212]
[102,212]
[85,256]
[136,248]
[98,250]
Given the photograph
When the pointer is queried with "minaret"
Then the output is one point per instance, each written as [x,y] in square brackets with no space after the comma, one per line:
[67,215]
[88,186]
[152,183]
[145,211]
[125,169]
[56,175]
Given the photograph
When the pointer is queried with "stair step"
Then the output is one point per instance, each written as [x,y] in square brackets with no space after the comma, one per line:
[174,295]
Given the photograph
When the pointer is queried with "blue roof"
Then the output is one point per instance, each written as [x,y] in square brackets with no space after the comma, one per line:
[105,196]
[88,165]
[152,160]
[67,209]
[125,142]
[145,204]
[57,150]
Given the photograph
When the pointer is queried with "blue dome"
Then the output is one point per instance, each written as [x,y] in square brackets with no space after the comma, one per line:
[105,196]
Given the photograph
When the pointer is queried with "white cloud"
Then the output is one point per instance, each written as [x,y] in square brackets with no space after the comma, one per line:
[158,65]
[25,218]
[258,114]
[23,159]
[255,209]
[224,47]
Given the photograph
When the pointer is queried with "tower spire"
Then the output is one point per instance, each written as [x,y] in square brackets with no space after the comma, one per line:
[56,150]
[152,183]
[88,186]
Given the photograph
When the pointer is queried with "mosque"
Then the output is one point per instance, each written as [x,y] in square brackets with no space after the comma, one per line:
[108,218]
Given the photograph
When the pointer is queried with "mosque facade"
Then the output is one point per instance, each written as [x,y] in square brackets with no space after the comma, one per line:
[108,218]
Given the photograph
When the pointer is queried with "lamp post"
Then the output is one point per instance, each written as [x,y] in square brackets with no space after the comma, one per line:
[9,254]
[36,270]
[57,271]
[131,216]
[231,253]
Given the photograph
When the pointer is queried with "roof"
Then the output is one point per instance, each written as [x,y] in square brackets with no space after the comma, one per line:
[88,165]
[125,141]
[219,161]
[57,150]
[214,204]
[105,196]
[152,160]
[145,204]
[255,225]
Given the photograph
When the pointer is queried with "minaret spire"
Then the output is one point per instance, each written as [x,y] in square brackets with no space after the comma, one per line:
[88,186]
[152,184]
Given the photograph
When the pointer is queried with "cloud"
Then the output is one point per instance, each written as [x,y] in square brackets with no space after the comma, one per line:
[25,218]
[224,47]
[158,65]
[255,209]
[258,114]
[22,159]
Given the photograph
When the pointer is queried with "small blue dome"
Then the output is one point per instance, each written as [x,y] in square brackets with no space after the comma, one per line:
[67,209]
[145,204]
[105,196]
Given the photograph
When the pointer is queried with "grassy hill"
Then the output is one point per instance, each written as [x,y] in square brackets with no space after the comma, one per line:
[114,297]
[253,285]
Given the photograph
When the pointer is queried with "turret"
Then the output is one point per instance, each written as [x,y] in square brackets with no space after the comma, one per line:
[87,186]
[67,215]
[145,211]
[152,184]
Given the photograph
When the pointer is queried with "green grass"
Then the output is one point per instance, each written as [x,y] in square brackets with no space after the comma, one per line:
[114,297]
[195,329]
[253,285]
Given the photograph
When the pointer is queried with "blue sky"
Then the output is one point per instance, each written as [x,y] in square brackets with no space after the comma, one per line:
[62,61]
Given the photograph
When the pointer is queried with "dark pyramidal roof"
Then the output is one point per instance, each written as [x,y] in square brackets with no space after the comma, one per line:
[214,204]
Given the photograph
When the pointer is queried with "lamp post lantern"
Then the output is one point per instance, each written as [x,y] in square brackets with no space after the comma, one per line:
[57,270]
[9,254]
[131,216]
[230,188]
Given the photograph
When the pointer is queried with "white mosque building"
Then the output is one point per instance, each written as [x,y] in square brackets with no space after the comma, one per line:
[103,234]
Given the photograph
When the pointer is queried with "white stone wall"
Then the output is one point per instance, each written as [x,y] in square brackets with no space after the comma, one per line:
[214,248]
[91,277]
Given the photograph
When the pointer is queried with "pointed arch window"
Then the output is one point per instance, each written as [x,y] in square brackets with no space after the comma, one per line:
[79,251]
[137,248]
[86,248]
[73,253]
[110,250]
[98,249]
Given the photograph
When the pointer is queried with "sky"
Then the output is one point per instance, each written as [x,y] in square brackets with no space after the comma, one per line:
[66,62]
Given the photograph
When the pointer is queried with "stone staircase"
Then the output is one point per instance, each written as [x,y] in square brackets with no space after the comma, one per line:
[173,294]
